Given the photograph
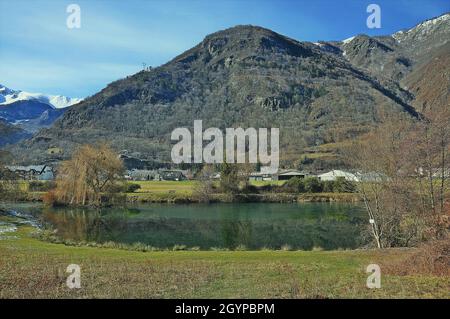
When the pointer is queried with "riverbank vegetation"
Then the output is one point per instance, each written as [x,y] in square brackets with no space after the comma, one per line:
[234,185]
[405,184]
[9,186]
[136,192]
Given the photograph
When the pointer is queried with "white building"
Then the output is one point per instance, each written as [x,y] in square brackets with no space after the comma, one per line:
[334,174]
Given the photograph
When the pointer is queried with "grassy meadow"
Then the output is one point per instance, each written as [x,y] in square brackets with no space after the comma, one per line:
[30,268]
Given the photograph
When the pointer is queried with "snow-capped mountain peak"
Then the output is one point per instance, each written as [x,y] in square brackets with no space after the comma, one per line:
[5,91]
[8,96]
[424,28]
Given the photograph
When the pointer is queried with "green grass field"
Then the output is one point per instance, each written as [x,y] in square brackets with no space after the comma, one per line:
[158,187]
[30,268]
[183,187]
[264,183]
[162,191]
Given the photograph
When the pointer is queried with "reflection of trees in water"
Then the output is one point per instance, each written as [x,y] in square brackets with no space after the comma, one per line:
[236,232]
[85,224]
[299,234]
[166,232]
[329,231]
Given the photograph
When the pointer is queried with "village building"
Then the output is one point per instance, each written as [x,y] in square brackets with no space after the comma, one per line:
[141,175]
[288,174]
[33,172]
[336,173]
[171,175]
[156,175]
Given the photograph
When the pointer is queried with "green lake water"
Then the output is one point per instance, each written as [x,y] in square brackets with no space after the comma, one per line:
[253,225]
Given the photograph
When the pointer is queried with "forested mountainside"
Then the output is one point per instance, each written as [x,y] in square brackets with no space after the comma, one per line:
[318,94]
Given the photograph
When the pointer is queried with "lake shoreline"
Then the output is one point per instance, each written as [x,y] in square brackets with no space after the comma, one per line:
[184,192]
[174,198]
[249,198]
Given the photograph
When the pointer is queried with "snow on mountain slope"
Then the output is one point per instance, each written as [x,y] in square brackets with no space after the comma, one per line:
[348,40]
[423,29]
[8,96]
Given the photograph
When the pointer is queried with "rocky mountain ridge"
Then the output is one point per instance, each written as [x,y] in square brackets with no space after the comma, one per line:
[247,76]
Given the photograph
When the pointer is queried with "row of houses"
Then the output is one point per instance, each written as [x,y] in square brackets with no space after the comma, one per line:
[328,176]
[157,175]
[45,172]
[179,175]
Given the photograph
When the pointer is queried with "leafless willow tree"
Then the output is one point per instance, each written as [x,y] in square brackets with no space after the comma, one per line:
[92,171]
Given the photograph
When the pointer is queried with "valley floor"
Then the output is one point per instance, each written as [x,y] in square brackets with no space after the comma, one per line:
[183,192]
[30,268]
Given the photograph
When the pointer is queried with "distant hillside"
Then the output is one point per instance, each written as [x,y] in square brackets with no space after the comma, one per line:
[30,115]
[10,134]
[322,93]
[430,80]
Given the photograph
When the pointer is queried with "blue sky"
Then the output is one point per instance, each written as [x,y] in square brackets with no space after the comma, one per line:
[38,53]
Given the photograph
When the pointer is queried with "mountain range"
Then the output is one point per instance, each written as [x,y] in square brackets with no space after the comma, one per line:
[23,113]
[9,96]
[319,94]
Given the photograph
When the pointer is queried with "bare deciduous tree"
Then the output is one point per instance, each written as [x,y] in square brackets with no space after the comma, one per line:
[204,187]
[9,186]
[403,167]
[92,171]
[431,139]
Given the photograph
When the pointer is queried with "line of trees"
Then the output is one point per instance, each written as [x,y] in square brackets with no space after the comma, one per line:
[233,181]
[315,185]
